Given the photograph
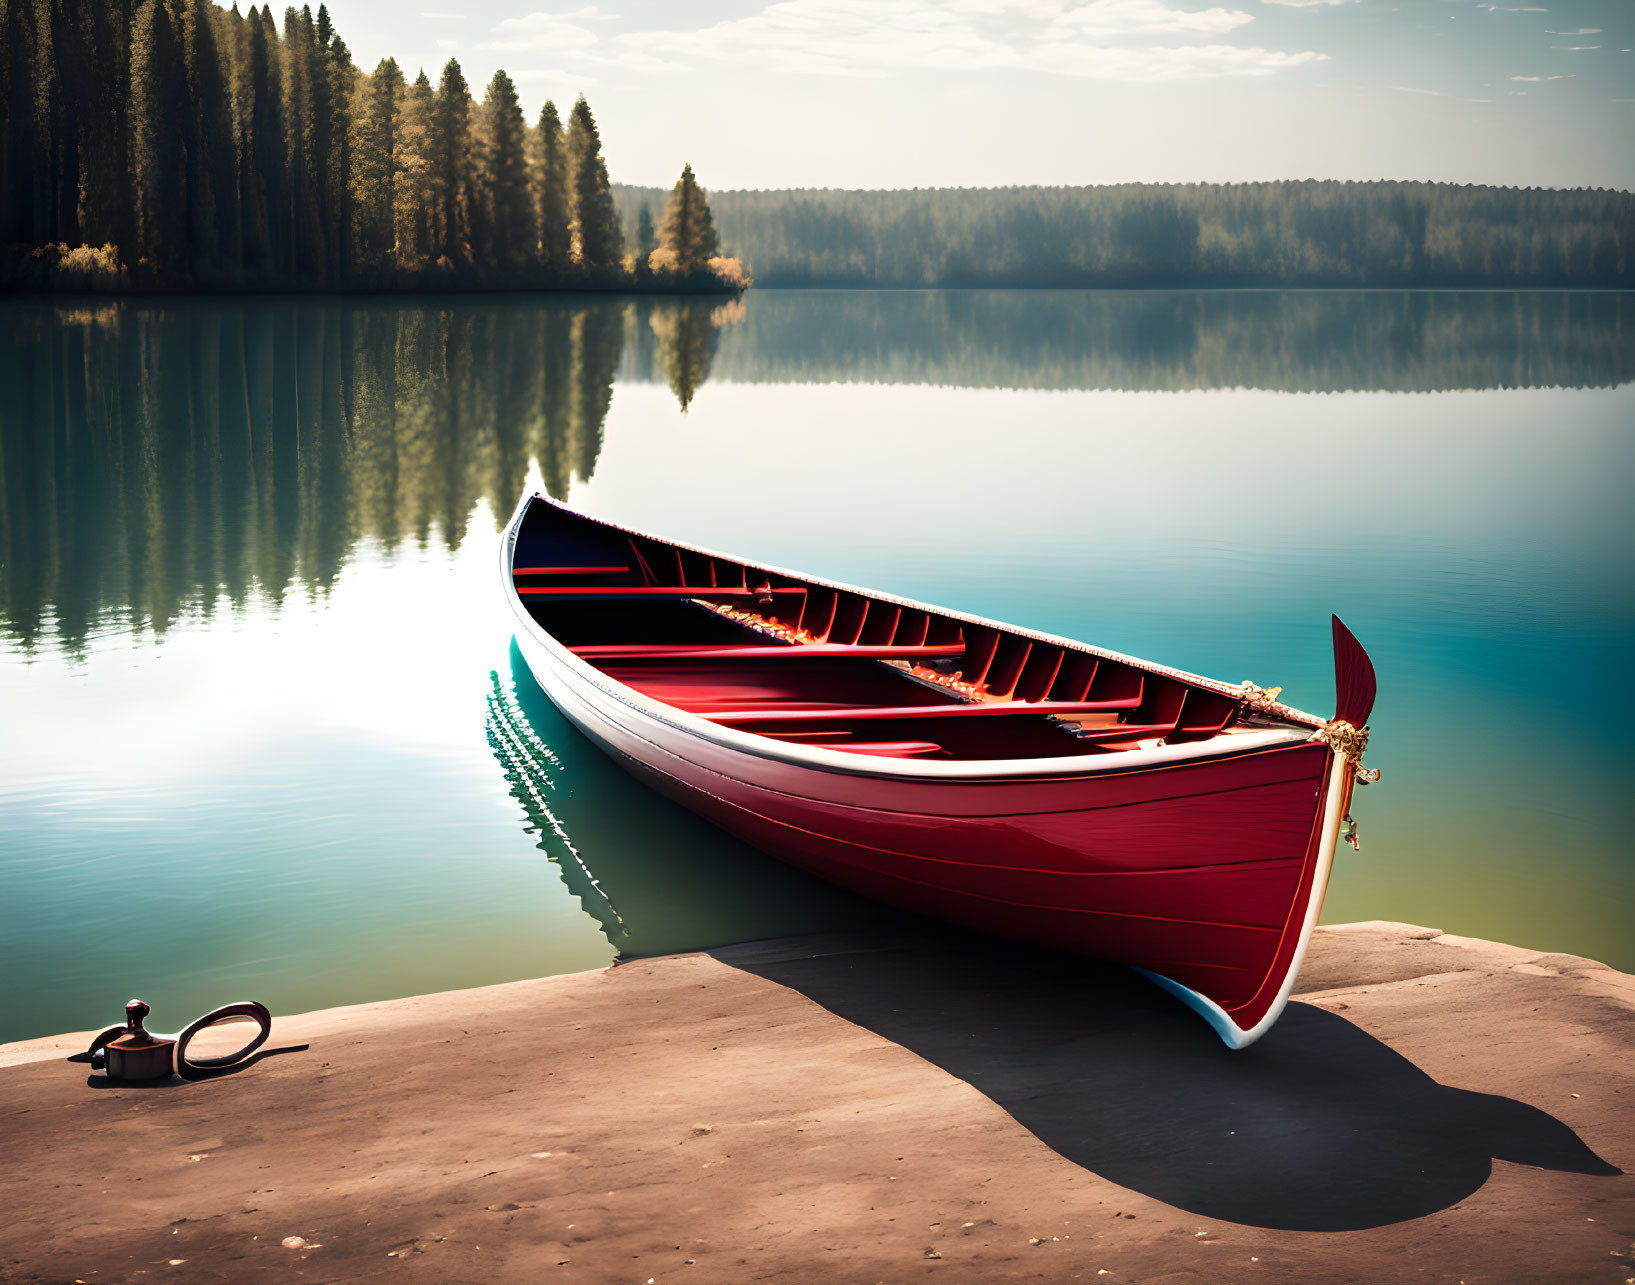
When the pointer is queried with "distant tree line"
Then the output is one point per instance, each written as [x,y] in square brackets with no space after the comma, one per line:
[1180,235]
[176,144]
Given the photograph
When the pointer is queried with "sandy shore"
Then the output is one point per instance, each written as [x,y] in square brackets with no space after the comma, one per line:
[1433,1108]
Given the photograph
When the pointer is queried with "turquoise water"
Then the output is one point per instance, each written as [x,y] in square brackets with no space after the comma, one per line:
[263,734]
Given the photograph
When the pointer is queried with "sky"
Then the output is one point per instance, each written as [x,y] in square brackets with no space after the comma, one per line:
[982,93]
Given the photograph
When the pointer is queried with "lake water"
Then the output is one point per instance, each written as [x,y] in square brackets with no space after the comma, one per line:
[263,733]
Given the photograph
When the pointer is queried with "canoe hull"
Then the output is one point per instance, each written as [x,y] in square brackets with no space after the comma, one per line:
[1207,873]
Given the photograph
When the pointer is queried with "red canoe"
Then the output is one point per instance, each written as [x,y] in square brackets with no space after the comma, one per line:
[991,776]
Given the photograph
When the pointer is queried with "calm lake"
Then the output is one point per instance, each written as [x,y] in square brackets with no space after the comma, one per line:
[263,733]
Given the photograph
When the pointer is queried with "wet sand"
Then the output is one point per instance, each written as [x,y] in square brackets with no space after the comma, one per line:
[861,1109]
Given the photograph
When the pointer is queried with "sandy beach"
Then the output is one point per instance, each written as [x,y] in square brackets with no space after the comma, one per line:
[1431,1108]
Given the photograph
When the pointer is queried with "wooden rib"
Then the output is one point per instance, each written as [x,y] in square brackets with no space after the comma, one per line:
[800,613]
[980,672]
[697,568]
[1022,663]
[1080,667]
[911,630]
[874,622]
[1034,684]
[828,620]
[1211,723]
[647,572]
[862,618]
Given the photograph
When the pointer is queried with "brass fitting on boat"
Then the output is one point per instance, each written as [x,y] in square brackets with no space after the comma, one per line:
[1349,743]
[1345,740]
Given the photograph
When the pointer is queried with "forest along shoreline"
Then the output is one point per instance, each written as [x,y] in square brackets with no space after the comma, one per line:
[873,1104]
[184,146]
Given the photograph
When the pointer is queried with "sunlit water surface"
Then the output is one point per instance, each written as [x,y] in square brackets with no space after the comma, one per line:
[263,733]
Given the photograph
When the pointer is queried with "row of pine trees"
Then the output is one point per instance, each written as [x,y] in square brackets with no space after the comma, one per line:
[1397,235]
[174,143]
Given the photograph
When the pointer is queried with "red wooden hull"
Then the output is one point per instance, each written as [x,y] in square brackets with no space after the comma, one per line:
[1202,864]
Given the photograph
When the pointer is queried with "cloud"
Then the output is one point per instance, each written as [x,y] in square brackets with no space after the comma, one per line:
[448,46]
[1499,8]
[1575,49]
[1162,63]
[575,81]
[460,17]
[1116,18]
[1429,93]
[1538,78]
[1305,4]
[547,33]
[1133,40]
[1582,31]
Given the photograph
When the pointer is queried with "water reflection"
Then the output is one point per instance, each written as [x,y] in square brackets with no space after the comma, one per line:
[687,337]
[247,609]
[655,877]
[1158,340]
[165,461]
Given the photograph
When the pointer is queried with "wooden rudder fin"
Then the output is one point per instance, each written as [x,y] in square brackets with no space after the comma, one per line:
[1354,685]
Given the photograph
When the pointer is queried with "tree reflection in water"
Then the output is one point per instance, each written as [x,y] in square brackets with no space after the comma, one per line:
[158,460]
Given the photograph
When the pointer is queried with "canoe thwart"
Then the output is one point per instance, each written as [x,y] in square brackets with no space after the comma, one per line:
[651,591]
[985,709]
[568,571]
[751,651]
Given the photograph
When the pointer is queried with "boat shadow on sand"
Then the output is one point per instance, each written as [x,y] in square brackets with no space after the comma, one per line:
[1319,1127]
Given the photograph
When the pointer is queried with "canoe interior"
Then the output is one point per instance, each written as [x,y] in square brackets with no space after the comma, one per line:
[797,661]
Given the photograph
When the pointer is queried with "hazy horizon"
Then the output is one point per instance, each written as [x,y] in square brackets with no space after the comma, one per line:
[998,93]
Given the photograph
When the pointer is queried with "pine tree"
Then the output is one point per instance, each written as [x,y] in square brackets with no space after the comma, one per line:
[598,243]
[16,121]
[159,129]
[450,147]
[687,240]
[342,77]
[43,124]
[551,194]
[375,165]
[265,160]
[646,238]
[412,214]
[214,236]
[509,226]
[74,77]
[105,190]
[320,130]
[302,144]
